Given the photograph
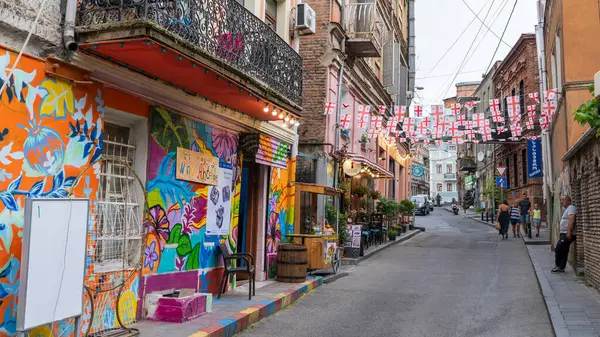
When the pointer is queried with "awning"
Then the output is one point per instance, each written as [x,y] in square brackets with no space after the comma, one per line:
[265,149]
[378,171]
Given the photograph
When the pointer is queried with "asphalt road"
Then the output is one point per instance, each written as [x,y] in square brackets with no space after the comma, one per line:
[456,279]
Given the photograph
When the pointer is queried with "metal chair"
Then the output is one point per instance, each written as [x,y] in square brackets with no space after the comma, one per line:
[242,268]
[376,227]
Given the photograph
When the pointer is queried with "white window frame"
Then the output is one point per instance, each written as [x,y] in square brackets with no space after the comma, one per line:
[138,139]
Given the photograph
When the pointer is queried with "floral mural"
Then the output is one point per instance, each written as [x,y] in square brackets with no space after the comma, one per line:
[176,225]
[280,210]
[51,132]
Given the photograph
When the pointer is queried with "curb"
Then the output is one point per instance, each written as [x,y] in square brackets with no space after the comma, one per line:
[559,326]
[370,254]
[474,219]
[230,326]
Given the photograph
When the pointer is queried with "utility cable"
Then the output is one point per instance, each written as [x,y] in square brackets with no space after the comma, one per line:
[31,30]
[469,50]
[483,23]
[446,75]
[503,32]
[497,16]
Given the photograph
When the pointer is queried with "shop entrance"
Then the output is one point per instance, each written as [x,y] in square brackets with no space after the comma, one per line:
[249,210]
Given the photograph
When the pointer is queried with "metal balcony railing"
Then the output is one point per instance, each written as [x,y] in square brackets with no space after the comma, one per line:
[450,176]
[363,28]
[223,29]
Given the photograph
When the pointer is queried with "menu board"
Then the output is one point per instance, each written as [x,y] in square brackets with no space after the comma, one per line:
[218,210]
[354,236]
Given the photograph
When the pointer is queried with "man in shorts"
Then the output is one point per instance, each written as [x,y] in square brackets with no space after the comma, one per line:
[525,207]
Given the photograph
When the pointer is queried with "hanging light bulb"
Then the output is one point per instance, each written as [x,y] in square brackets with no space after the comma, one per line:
[287,118]
[297,123]
[274,112]
[266,109]
[280,114]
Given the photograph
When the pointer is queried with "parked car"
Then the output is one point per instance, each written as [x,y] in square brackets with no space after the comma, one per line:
[428,199]
[421,204]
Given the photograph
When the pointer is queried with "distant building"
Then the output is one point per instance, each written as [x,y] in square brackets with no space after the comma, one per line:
[420,182]
[443,172]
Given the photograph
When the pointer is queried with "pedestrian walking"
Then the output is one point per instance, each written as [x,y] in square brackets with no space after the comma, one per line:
[515,219]
[567,234]
[537,219]
[525,208]
[504,218]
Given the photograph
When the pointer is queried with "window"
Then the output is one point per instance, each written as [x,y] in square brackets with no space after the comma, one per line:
[439,187]
[449,168]
[438,168]
[524,165]
[271,14]
[449,187]
[554,67]
[120,202]
[393,181]
[452,148]
[522,97]
[516,170]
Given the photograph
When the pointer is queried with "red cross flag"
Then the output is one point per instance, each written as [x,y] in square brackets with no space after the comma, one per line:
[544,122]
[513,107]
[497,116]
[550,108]
[382,109]
[550,95]
[469,133]
[486,134]
[400,112]
[376,122]
[531,110]
[478,120]
[329,108]
[402,140]
[421,128]
[516,130]
[363,115]
[455,107]
[409,124]
[495,105]
[454,130]
[460,119]
[535,97]
[391,125]
[437,112]
[418,112]
[470,105]
[346,121]
[372,133]
[529,125]
[439,143]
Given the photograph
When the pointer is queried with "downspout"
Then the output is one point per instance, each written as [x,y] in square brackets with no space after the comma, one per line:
[338,109]
[411,48]
[69,27]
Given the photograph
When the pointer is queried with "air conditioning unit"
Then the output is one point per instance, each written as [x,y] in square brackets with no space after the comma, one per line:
[306,19]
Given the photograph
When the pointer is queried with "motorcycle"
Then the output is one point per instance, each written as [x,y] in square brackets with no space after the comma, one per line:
[455,209]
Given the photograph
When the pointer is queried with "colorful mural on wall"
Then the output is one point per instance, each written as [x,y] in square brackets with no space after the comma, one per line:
[51,131]
[280,210]
[176,227]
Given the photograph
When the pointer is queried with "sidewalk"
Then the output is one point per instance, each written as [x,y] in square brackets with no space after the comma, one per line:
[234,312]
[574,308]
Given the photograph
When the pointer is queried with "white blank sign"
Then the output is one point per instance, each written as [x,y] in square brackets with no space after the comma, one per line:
[53,261]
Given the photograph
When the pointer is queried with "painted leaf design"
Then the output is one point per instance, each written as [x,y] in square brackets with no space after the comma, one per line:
[175,234]
[193,261]
[9,201]
[185,245]
[37,188]
[59,99]
[14,185]
[58,179]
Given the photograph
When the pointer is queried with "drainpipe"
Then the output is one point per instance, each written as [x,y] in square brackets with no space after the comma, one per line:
[69,27]
[411,47]
[338,109]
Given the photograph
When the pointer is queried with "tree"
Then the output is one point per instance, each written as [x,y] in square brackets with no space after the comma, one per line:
[492,192]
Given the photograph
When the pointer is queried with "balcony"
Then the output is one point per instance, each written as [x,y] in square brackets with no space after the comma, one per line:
[467,164]
[213,48]
[363,28]
[449,176]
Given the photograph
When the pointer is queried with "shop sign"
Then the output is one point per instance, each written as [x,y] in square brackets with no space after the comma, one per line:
[418,171]
[534,161]
[197,167]
[354,236]
[351,168]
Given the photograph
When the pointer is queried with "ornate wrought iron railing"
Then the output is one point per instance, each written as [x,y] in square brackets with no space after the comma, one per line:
[222,29]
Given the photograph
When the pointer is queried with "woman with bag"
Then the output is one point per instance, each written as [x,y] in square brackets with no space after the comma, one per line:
[503,219]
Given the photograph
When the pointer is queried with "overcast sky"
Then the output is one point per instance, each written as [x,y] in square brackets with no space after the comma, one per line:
[440,22]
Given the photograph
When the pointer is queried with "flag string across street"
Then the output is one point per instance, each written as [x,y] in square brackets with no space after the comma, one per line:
[513,120]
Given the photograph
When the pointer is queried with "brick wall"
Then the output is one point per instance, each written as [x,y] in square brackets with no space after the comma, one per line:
[584,167]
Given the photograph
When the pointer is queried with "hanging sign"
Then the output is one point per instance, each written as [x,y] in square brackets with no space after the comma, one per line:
[351,168]
[418,171]
[534,160]
[197,167]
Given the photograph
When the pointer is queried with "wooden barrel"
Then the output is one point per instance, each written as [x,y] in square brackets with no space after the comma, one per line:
[292,263]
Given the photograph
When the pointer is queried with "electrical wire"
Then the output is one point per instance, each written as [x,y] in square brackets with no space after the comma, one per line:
[486,26]
[468,51]
[31,30]
[503,32]
[455,41]
[446,75]
[497,16]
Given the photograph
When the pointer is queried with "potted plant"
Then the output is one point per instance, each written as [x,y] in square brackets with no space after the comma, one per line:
[408,210]
[360,191]
[375,195]
[392,235]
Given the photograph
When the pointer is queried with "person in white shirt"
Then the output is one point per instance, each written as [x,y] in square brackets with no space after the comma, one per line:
[567,234]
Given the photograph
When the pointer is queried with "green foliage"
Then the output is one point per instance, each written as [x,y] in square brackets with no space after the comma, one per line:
[363,203]
[363,139]
[375,195]
[193,261]
[360,191]
[392,234]
[408,207]
[184,247]
[587,113]
[478,209]
[491,190]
